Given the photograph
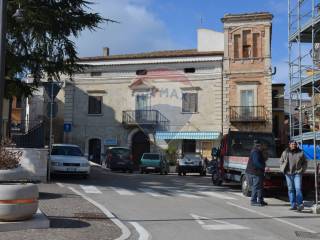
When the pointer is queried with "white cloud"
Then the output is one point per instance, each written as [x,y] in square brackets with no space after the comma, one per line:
[140,29]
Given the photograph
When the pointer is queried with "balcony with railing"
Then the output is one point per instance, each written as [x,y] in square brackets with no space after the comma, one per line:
[248,114]
[145,118]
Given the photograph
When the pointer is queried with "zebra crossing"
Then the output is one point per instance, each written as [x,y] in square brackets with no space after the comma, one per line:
[155,193]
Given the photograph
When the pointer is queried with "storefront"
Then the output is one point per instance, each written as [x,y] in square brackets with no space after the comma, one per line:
[201,142]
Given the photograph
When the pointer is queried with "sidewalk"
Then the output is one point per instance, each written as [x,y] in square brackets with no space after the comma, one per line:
[71,218]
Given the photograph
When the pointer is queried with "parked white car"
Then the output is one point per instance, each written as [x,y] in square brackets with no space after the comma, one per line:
[68,159]
[191,163]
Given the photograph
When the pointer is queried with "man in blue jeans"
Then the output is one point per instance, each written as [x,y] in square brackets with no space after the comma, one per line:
[255,174]
[293,164]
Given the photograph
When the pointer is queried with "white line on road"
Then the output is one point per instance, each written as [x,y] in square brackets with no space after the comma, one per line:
[125,231]
[187,195]
[143,234]
[217,195]
[272,217]
[60,184]
[152,192]
[122,191]
[90,189]
[221,225]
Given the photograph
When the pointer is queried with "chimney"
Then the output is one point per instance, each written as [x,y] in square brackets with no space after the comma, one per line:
[106,51]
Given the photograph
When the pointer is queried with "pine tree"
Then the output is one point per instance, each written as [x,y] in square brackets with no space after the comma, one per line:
[41,45]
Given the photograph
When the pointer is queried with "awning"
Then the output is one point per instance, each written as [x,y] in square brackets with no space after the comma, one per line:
[188,135]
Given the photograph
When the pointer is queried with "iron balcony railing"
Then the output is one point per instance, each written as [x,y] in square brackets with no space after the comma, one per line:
[248,114]
[153,118]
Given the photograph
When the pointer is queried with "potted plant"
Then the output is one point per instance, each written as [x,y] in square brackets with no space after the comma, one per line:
[18,196]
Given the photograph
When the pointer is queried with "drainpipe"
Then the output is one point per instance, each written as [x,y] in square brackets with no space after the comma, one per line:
[222,96]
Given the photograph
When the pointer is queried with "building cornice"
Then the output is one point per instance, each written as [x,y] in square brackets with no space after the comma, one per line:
[152,61]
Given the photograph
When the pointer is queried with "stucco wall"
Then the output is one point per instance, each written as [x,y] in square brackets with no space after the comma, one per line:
[118,96]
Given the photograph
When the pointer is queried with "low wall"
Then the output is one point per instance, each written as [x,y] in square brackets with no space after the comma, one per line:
[33,163]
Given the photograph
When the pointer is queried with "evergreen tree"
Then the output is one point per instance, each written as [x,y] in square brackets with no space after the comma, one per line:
[41,44]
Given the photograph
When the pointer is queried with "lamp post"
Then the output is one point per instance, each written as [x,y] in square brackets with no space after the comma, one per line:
[3,13]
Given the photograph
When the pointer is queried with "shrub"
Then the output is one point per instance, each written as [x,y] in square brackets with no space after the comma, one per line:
[9,159]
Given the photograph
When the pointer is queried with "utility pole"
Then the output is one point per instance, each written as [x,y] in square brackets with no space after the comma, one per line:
[3,17]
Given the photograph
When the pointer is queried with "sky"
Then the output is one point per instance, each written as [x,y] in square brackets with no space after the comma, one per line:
[151,25]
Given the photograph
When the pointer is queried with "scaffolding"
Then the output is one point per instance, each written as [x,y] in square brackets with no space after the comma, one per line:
[304,75]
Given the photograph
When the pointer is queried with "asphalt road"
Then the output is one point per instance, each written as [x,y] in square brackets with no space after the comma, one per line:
[152,206]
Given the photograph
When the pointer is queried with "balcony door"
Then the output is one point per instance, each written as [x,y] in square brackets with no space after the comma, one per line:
[142,105]
[247,103]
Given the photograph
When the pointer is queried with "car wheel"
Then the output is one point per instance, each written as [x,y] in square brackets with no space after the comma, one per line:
[245,187]
[166,172]
[184,173]
[141,171]
[179,173]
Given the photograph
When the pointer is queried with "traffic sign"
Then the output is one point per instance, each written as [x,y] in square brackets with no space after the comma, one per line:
[67,127]
[52,89]
[54,109]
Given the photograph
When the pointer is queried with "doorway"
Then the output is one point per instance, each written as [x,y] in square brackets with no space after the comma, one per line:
[140,145]
[95,150]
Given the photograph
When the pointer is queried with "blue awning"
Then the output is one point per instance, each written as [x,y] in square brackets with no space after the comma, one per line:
[188,135]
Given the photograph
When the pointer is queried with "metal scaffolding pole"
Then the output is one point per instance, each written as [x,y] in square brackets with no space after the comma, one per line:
[3,13]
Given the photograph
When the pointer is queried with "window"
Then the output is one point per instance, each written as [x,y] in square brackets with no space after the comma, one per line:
[255,43]
[246,99]
[189,70]
[95,103]
[190,102]
[141,72]
[246,48]
[237,46]
[142,102]
[95,74]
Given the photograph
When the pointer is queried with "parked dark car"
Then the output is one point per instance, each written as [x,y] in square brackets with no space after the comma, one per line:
[119,159]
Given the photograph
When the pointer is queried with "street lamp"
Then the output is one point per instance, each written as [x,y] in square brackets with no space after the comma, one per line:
[18,16]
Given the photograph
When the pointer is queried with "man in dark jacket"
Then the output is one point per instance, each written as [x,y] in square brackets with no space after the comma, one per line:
[255,174]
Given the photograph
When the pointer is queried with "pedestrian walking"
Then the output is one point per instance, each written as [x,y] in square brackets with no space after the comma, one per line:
[293,164]
[255,174]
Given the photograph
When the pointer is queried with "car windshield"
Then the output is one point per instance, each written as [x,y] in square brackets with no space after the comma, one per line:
[66,151]
[241,144]
[151,156]
[193,156]
[121,152]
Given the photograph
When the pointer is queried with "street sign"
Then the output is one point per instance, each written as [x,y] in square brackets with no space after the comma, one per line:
[52,89]
[54,109]
[67,127]
[110,142]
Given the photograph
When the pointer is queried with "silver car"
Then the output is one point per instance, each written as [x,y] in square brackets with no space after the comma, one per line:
[191,163]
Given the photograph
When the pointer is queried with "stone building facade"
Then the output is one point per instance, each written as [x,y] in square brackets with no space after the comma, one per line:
[183,100]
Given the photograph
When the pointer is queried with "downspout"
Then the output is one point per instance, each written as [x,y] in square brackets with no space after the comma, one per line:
[222,96]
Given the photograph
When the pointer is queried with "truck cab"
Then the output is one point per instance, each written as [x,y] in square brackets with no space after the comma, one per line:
[233,156]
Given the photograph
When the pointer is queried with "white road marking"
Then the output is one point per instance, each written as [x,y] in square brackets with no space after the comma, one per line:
[122,191]
[272,217]
[125,231]
[143,233]
[199,219]
[152,192]
[187,195]
[90,189]
[60,184]
[221,225]
[217,195]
